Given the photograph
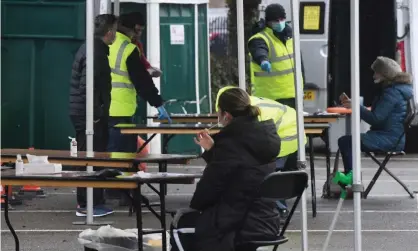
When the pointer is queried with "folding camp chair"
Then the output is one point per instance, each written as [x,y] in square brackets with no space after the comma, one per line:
[276,186]
[411,120]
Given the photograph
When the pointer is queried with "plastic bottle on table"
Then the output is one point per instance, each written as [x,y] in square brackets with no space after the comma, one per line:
[20,167]
[73,147]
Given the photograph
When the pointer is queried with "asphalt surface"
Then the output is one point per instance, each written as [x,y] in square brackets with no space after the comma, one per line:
[389,216]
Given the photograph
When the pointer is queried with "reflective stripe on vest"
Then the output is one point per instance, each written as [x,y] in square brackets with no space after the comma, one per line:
[285,120]
[117,69]
[280,82]
[123,94]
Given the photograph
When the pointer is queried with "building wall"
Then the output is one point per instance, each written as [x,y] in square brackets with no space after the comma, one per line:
[217,3]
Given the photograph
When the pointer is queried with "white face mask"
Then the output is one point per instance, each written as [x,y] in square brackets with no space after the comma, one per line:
[221,121]
[377,81]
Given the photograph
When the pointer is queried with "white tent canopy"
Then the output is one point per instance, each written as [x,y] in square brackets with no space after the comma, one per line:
[154,56]
[355,90]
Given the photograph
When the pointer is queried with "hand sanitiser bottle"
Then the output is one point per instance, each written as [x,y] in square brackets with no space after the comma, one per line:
[20,168]
[73,147]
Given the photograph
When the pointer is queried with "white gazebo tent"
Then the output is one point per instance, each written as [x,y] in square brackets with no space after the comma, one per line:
[153,50]
[355,122]
[299,91]
[153,23]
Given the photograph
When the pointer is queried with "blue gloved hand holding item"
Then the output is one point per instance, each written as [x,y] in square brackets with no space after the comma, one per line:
[266,66]
[162,114]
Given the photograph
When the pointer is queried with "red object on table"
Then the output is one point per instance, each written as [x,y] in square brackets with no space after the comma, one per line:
[142,153]
[341,110]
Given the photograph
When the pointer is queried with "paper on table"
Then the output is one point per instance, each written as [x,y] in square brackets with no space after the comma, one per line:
[142,174]
[33,159]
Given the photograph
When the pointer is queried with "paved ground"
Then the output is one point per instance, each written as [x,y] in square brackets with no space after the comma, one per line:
[390,218]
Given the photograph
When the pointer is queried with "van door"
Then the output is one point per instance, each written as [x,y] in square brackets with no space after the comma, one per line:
[313,16]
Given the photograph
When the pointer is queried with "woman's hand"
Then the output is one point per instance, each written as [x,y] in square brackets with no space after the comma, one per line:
[347,103]
[204,140]
[344,97]
[345,100]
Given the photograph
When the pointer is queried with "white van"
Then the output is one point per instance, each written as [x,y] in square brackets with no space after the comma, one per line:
[387,28]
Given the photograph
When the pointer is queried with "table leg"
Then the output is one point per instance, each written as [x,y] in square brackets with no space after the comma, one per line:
[162,194]
[138,207]
[162,215]
[312,164]
[6,217]
[146,143]
[162,168]
[328,162]
[166,140]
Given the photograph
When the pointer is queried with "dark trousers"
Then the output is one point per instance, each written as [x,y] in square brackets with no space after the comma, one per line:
[346,148]
[100,138]
[120,142]
[188,241]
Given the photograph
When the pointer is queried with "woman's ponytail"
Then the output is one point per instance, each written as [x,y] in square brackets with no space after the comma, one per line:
[253,111]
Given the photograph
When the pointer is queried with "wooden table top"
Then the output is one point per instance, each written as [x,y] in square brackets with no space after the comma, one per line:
[166,128]
[213,118]
[84,179]
[178,129]
[213,115]
[104,159]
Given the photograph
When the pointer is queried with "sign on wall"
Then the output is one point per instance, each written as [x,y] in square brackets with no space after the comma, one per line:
[177,34]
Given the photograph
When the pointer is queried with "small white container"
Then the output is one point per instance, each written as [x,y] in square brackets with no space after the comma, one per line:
[20,167]
[73,147]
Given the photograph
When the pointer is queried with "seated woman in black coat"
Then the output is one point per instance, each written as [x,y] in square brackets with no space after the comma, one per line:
[238,158]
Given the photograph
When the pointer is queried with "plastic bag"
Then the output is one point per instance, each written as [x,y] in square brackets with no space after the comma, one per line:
[108,238]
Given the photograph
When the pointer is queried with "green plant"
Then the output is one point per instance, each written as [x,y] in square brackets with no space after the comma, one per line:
[224,69]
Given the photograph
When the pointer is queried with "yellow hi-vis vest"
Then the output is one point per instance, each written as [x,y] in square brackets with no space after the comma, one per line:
[123,95]
[280,82]
[286,123]
[283,116]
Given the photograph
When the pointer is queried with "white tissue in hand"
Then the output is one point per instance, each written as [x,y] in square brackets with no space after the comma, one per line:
[37,159]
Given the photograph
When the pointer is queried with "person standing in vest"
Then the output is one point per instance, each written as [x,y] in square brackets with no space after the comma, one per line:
[272,65]
[104,35]
[129,78]
[285,119]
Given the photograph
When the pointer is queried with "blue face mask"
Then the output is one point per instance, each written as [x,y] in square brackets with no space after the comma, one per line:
[279,26]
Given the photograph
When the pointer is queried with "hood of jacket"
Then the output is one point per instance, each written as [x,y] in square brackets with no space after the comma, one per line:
[402,82]
[258,137]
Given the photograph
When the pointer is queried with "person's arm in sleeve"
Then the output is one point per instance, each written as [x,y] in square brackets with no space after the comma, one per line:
[142,80]
[100,82]
[259,50]
[216,177]
[382,109]
[143,58]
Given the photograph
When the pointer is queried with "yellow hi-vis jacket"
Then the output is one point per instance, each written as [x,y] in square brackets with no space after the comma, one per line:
[283,116]
[123,95]
[280,82]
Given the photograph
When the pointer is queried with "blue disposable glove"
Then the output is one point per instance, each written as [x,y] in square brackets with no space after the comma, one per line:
[266,66]
[162,114]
